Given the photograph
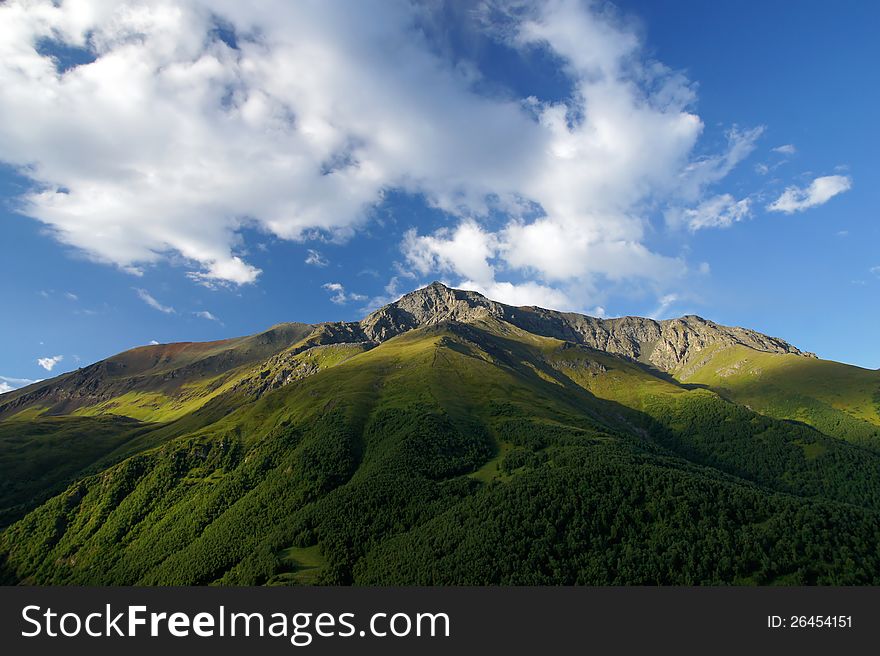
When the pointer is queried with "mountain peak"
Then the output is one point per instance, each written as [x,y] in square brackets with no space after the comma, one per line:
[437,290]
[427,306]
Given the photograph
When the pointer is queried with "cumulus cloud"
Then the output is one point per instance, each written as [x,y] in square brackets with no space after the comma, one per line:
[585,185]
[48,363]
[204,314]
[339,295]
[298,117]
[7,383]
[526,293]
[296,123]
[468,250]
[148,298]
[464,250]
[820,191]
[315,258]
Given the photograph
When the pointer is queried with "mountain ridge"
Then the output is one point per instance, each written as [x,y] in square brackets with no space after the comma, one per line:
[666,344]
[667,340]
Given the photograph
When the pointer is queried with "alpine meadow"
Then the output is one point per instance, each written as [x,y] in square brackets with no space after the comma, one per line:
[448,439]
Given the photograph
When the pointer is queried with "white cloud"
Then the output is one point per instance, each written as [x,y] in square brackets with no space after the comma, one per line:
[204,314]
[179,125]
[785,149]
[590,178]
[465,250]
[708,170]
[875,270]
[70,296]
[820,191]
[153,342]
[48,363]
[719,211]
[765,168]
[7,384]
[527,293]
[324,107]
[662,309]
[340,297]
[316,259]
[148,298]
[392,293]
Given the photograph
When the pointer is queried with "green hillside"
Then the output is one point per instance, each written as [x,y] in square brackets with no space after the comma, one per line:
[837,399]
[453,446]
[152,383]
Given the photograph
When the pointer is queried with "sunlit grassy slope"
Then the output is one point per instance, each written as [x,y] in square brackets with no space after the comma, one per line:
[462,453]
[837,399]
[152,383]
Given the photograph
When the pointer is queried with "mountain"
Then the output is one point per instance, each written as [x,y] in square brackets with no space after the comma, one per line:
[448,439]
[165,381]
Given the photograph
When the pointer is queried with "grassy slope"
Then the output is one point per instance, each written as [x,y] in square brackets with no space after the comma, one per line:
[187,398]
[358,471]
[40,455]
[433,370]
[159,407]
[837,399]
[156,383]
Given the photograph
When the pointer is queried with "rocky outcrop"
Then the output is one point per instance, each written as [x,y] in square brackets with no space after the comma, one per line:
[428,306]
[666,344]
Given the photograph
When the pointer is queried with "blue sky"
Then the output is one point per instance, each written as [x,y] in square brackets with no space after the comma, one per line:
[195,173]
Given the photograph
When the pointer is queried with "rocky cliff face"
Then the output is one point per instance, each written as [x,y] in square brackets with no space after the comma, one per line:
[666,344]
[426,307]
